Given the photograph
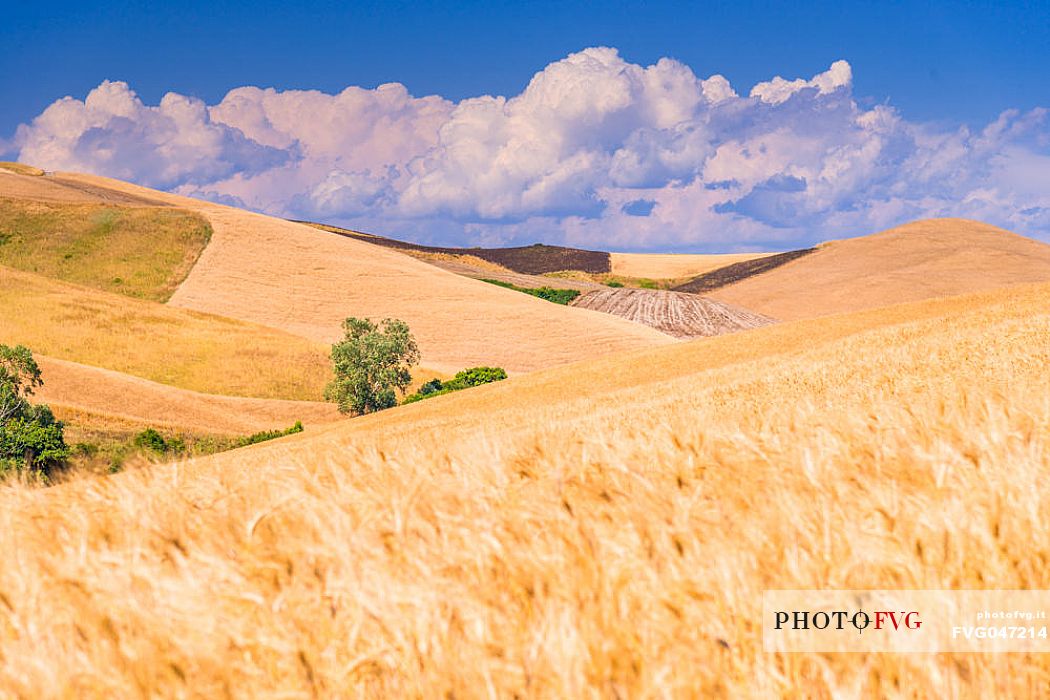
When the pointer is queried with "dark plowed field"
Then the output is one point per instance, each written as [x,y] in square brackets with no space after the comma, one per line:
[729,274]
[535,259]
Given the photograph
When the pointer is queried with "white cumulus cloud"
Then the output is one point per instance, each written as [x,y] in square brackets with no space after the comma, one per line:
[595,151]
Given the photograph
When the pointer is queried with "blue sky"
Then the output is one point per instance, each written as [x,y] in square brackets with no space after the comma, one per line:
[946,72]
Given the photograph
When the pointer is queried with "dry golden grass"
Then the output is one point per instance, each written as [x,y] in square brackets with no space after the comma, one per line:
[599,530]
[306,281]
[673,266]
[172,346]
[920,260]
[143,252]
[21,169]
[16,184]
[93,397]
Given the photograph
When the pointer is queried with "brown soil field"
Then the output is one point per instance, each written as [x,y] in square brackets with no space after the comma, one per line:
[100,397]
[663,266]
[535,259]
[735,272]
[306,281]
[924,259]
[675,313]
[565,534]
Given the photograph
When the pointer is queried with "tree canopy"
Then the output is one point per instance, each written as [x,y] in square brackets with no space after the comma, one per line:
[30,437]
[371,362]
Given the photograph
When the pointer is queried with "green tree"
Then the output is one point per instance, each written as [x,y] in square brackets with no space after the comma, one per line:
[371,362]
[30,437]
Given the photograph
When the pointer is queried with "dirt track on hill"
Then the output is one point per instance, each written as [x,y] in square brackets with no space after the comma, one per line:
[675,313]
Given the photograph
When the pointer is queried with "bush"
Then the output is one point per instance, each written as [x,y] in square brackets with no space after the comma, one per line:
[557,296]
[614,283]
[269,435]
[476,376]
[370,363]
[150,439]
[30,437]
[648,284]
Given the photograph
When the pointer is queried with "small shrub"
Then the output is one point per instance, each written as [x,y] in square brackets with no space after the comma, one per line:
[614,283]
[557,296]
[268,435]
[475,376]
[150,439]
[430,387]
[648,284]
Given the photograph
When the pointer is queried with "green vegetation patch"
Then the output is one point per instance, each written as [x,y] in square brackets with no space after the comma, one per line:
[106,451]
[558,296]
[142,252]
[475,376]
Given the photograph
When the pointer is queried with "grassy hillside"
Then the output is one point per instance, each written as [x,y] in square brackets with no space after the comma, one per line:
[920,260]
[605,529]
[172,346]
[143,252]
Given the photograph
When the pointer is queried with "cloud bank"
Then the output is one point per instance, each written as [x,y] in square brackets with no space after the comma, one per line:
[595,151]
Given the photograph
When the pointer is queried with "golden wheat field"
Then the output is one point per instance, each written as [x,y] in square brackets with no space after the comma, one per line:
[919,260]
[182,348]
[598,530]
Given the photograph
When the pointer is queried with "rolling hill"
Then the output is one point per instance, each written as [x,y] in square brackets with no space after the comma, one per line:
[936,257]
[180,348]
[564,534]
[306,281]
[674,265]
[87,395]
[144,252]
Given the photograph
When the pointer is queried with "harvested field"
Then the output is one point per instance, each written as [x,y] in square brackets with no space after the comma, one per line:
[920,260]
[306,281]
[564,534]
[535,259]
[143,252]
[675,313]
[462,265]
[63,189]
[104,398]
[722,276]
[670,266]
[21,169]
[172,346]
